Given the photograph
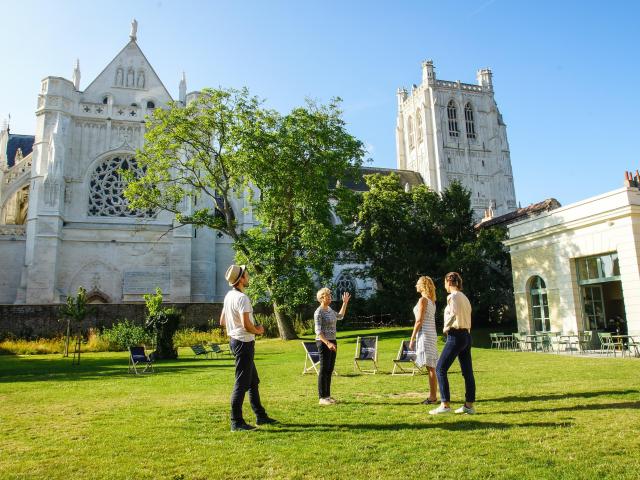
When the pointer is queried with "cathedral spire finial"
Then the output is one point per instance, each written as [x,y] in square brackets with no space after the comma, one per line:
[182,89]
[134,30]
[76,75]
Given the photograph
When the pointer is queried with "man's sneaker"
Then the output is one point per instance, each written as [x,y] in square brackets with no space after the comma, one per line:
[467,410]
[266,421]
[440,410]
[325,401]
[333,400]
[243,427]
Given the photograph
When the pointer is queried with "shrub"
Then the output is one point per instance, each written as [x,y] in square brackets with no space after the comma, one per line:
[125,334]
[186,337]
[40,346]
[303,327]
[269,323]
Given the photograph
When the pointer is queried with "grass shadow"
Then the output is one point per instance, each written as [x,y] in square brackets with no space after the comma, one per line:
[29,369]
[577,408]
[463,425]
[560,396]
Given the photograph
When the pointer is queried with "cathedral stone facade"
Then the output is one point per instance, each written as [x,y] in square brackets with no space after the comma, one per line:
[450,131]
[64,221]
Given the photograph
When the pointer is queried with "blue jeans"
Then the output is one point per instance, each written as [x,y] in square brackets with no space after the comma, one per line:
[458,345]
[247,380]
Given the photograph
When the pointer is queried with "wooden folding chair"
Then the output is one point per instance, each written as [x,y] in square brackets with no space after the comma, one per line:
[366,351]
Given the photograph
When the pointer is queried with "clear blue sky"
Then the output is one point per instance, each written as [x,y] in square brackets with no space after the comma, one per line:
[565,72]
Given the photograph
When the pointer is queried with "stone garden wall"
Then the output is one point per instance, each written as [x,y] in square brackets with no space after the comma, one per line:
[32,321]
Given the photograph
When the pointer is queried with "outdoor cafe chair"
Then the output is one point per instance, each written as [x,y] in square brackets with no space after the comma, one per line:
[366,351]
[497,339]
[407,357]
[633,344]
[199,350]
[137,358]
[607,344]
[584,340]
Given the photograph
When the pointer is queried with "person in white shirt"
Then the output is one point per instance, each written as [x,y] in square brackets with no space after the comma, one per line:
[237,318]
[457,327]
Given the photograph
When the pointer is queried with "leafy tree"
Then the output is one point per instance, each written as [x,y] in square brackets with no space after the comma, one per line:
[162,322]
[402,235]
[230,156]
[74,309]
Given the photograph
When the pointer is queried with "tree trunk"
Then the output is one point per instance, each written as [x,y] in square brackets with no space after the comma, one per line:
[285,325]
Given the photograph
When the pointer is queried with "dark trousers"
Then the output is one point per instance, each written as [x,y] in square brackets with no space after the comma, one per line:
[246,380]
[458,345]
[327,363]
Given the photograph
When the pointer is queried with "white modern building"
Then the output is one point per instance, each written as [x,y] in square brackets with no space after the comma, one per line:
[449,131]
[577,267]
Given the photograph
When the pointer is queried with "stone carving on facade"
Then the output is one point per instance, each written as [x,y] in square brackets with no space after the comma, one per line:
[57,146]
[106,189]
[130,77]
[141,79]
[119,77]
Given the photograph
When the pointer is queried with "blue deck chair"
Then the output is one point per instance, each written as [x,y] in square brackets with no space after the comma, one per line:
[312,358]
[137,358]
[408,357]
[366,351]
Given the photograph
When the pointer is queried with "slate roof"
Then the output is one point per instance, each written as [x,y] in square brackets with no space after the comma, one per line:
[25,142]
[521,213]
[359,185]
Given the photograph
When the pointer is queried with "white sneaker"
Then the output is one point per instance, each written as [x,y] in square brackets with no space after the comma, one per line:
[440,410]
[333,400]
[325,401]
[467,410]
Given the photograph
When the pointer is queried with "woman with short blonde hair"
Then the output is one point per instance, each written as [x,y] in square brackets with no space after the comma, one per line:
[324,320]
[424,335]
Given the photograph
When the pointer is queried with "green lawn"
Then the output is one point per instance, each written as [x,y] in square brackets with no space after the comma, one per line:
[539,416]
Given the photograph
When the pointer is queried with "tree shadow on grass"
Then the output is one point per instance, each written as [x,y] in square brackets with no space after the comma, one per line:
[25,369]
[576,408]
[463,425]
[560,396]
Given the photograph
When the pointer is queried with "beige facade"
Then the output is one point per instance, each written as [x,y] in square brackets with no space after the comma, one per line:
[587,257]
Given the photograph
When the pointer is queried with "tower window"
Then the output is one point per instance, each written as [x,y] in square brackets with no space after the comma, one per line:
[151,105]
[410,132]
[419,126]
[452,114]
[105,100]
[469,123]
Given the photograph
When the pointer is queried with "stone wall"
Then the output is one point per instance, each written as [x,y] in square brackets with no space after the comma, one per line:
[32,321]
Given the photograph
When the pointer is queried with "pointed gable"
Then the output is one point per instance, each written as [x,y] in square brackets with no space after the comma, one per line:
[129,78]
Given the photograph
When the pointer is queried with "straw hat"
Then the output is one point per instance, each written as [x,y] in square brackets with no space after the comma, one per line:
[234,274]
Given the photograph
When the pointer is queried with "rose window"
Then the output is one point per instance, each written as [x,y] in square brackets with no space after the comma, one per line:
[106,194]
[344,284]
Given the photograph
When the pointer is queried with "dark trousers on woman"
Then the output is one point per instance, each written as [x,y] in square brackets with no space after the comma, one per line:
[458,345]
[327,363]
[247,380]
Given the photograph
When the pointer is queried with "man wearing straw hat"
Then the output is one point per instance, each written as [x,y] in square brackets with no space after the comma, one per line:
[237,318]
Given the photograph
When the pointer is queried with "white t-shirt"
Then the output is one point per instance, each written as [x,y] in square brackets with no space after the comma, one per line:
[236,304]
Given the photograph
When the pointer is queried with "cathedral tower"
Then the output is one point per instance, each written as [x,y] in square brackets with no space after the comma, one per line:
[451,131]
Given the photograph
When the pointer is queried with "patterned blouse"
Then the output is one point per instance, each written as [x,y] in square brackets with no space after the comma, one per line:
[325,322]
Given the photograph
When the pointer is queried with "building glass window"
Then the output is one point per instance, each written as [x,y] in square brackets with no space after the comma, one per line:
[539,305]
[598,269]
[469,123]
[419,126]
[106,189]
[452,115]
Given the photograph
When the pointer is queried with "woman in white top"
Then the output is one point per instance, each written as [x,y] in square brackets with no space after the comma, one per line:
[424,335]
[457,327]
